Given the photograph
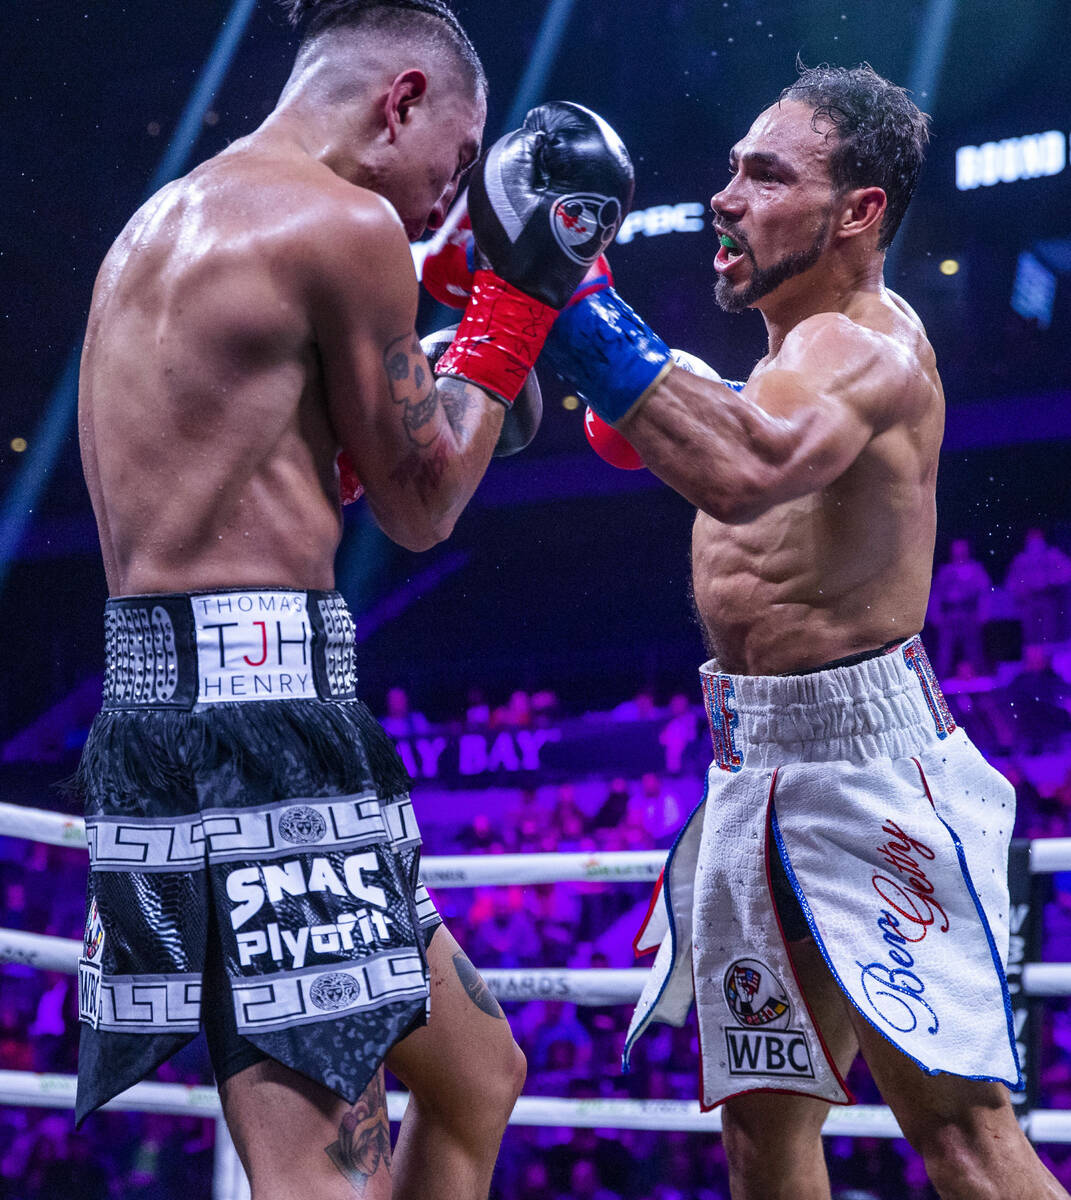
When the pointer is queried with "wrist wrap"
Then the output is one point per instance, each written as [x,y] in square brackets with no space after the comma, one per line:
[499,338]
[607,352]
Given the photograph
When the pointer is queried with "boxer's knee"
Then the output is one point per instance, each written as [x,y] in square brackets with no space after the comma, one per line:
[475,1098]
[773,1145]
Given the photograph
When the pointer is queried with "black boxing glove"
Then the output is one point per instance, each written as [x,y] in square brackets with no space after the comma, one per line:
[522,416]
[546,200]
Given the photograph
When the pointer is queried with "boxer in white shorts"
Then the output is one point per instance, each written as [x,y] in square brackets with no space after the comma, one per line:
[843,887]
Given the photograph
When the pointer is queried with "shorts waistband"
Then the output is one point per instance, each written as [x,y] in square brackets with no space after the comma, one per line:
[885,705]
[186,650]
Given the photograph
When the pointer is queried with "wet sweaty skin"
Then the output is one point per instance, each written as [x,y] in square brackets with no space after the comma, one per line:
[841,570]
[208,455]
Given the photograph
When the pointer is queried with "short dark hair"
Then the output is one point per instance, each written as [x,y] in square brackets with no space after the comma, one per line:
[433,21]
[881,134]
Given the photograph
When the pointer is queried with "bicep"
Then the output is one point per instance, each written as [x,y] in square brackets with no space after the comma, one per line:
[811,429]
[418,445]
[833,387]
[796,426]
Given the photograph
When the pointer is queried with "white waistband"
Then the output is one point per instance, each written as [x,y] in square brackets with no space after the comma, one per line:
[883,706]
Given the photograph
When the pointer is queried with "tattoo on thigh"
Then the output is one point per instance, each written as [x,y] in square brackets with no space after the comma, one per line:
[413,388]
[479,993]
[363,1144]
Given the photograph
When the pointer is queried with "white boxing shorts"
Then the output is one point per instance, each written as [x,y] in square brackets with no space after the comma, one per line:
[855,785]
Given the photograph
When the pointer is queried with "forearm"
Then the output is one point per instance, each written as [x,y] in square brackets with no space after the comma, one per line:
[433,474]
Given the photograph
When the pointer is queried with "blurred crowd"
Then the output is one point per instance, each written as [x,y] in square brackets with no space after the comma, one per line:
[1003,651]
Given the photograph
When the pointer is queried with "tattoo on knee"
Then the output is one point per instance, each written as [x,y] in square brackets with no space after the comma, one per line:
[363,1138]
[479,993]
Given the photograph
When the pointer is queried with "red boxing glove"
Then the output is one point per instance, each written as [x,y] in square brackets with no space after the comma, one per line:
[499,338]
[350,487]
[610,445]
[447,275]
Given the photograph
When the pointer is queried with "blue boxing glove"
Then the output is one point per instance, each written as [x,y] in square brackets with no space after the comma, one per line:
[607,352]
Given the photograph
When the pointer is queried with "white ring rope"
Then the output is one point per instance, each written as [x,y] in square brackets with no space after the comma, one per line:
[597,987]
[590,987]
[1047,855]
[860,1120]
[441,870]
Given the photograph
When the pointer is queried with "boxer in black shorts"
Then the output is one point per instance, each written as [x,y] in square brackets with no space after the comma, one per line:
[254,858]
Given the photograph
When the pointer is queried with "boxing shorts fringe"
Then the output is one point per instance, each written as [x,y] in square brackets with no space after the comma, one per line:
[233,779]
[893,834]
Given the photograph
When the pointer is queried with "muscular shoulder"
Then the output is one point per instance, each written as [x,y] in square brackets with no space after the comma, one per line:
[352,248]
[877,360]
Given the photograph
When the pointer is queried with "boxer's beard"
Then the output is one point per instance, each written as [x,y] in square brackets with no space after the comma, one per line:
[765,279]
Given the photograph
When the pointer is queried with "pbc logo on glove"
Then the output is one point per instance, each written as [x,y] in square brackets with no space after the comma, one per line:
[584,224]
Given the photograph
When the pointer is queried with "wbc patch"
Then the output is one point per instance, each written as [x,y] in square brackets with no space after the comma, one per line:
[584,224]
[89,963]
[761,1042]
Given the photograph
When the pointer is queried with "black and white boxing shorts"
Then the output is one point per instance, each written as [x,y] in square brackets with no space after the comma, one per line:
[254,857]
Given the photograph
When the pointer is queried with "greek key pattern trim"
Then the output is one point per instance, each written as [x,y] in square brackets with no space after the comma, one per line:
[427,913]
[401,823]
[223,834]
[150,1003]
[289,998]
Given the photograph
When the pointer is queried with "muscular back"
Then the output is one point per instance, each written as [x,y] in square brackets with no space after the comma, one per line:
[206,441]
[846,567]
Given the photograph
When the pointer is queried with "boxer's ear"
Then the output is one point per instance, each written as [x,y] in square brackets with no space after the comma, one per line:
[406,90]
[860,210]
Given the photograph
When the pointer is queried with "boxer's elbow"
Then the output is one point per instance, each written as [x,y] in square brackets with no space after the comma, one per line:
[737,509]
[742,493]
[416,529]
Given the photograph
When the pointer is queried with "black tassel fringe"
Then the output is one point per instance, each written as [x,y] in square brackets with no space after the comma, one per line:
[261,751]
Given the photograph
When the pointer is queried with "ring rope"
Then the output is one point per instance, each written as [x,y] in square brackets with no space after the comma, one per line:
[1047,855]
[444,870]
[683,1116]
[593,987]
